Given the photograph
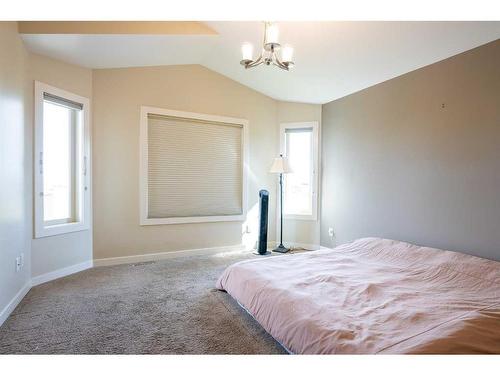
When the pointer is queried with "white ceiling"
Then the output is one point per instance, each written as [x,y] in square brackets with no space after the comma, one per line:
[333,59]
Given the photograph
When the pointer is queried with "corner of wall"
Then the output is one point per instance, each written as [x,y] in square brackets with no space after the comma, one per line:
[15,172]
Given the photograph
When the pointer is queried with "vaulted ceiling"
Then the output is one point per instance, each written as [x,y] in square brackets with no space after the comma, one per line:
[332,59]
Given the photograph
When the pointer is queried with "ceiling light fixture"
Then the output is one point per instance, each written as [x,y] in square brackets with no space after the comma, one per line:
[269,54]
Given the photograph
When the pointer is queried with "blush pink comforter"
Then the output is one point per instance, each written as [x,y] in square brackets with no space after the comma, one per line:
[373,296]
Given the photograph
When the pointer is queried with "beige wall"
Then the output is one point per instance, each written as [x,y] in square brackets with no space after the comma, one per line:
[118,95]
[55,252]
[306,232]
[15,167]
[417,158]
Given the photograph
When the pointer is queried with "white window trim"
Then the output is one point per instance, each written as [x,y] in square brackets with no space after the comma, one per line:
[315,140]
[143,167]
[41,230]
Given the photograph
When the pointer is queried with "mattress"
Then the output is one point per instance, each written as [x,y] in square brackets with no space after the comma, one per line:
[372,296]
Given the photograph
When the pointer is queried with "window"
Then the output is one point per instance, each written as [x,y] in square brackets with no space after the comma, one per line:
[61,158]
[299,143]
[192,167]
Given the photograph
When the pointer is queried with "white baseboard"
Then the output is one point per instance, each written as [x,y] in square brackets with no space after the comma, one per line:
[307,246]
[165,255]
[37,280]
[14,302]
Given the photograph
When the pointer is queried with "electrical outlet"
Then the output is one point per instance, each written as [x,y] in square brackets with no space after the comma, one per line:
[18,264]
[330,232]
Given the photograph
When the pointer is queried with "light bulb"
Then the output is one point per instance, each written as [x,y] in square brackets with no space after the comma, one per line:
[287,54]
[272,33]
[247,51]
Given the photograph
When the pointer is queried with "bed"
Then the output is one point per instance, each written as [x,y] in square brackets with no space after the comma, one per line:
[372,296]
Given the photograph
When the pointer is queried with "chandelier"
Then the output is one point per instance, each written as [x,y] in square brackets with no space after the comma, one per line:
[269,53]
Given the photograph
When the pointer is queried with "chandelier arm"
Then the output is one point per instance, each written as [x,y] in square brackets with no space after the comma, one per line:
[281,66]
[277,62]
[254,63]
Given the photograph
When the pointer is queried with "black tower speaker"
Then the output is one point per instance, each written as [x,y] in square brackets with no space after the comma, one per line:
[263,208]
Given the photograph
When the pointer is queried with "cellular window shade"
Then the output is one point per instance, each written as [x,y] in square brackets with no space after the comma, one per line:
[195,168]
[298,130]
[62,102]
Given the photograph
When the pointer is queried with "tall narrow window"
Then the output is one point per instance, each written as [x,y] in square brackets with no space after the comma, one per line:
[61,125]
[61,188]
[299,143]
[192,167]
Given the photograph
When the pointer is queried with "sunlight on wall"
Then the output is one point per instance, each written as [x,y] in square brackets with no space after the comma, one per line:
[250,228]
[249,233]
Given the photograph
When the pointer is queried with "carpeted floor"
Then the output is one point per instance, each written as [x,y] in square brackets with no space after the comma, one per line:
[167,307]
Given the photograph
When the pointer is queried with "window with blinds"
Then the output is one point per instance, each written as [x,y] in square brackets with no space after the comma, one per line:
[194,167]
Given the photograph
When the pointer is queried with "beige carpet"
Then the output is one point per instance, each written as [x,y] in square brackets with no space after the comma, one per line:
[167,307]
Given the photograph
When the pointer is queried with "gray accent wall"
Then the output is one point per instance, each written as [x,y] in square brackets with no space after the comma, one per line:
[417,158]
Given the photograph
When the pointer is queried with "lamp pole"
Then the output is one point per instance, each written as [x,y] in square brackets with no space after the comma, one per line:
[281,248]
[281,211]
[280,165]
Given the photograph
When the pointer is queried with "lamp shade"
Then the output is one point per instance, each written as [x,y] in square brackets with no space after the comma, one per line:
[280,165]
[271,33]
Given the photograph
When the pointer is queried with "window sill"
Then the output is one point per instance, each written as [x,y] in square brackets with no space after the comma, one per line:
[300,217]
[54,230]
[188,220]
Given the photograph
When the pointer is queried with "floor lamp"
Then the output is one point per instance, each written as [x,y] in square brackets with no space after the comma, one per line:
[281,166]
